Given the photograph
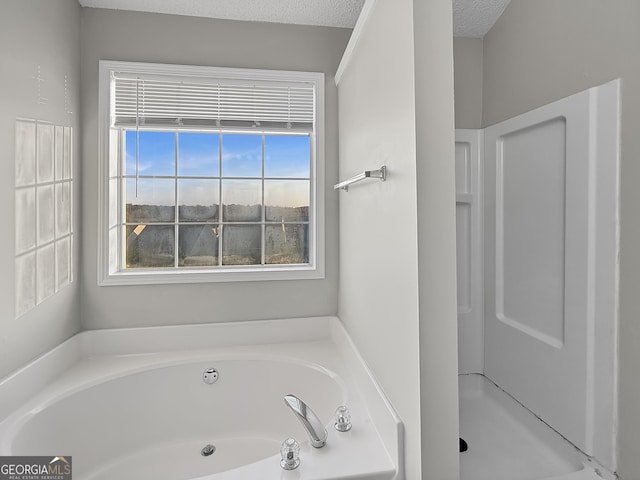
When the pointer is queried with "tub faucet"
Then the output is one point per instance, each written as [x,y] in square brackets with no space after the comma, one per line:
[310,421]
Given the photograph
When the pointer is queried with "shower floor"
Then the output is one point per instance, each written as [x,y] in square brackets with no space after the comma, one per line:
[507,442]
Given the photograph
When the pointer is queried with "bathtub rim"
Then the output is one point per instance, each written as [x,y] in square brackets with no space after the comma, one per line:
[29,379]
[139,365]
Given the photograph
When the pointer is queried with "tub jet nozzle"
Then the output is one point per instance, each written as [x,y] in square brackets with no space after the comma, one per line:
[207,450]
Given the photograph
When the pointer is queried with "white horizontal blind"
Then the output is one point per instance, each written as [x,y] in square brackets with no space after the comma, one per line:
[166,101]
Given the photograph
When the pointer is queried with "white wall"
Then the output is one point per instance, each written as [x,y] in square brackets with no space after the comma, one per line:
[433,35]
[378,300]
[397,238]
[144,37]
[47,35]
[538,52]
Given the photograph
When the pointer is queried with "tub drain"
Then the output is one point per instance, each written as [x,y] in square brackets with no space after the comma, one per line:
[207,450]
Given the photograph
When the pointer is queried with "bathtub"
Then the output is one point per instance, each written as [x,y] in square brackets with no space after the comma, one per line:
[132,404]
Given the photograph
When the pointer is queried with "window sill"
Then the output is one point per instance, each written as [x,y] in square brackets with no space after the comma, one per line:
[228,274]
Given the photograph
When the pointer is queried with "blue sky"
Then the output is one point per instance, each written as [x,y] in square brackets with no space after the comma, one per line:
[286,156]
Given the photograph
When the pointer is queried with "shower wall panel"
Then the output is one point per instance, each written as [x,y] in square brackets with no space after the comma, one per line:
[469,250]
[550,177]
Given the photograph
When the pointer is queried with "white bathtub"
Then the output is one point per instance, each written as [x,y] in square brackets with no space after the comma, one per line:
[132,404]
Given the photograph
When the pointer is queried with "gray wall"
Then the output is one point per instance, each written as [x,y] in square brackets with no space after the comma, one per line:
[542,51]
[467,66]
[397,238]
[47,34]
[144,37]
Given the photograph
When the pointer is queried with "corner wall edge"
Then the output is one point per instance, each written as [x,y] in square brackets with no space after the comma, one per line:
[354,39]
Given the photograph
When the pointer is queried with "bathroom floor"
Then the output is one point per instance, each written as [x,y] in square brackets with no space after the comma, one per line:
[508,442]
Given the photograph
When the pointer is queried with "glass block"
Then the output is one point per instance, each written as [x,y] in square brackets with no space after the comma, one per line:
[286,200]
[63,208]
[154,202]
[286,244]
[199,154]
[287,156]
[198,200]
[25,153]
[45,223]
[156,153]
[67,156]
[150,246]
[241,245]
[63,262]
[198,245]
[45,273]
[25,232]
[58,155]
[45,152]
[242,200]
[241,155]
[25,283]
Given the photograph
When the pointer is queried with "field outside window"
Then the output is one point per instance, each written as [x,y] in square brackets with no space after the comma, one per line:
[210,199]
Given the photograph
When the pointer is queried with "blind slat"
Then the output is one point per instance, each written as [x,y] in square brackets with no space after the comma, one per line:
[149,101]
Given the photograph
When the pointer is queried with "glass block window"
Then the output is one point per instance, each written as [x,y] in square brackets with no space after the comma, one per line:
[43,211]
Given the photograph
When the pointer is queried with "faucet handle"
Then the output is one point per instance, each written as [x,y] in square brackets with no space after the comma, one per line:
[343,419]
[290,452]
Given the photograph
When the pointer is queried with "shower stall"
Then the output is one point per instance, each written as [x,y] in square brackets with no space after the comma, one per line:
[537,248]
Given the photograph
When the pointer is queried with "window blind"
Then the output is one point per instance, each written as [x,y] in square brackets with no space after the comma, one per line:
[166,101]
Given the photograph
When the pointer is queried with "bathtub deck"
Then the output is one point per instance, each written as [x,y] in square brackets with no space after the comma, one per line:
[507,442]
[141,390]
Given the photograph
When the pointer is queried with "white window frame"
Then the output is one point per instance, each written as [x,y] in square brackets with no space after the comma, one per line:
[109,270]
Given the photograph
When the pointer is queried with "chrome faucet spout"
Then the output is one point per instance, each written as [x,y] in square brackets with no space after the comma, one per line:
[310,421]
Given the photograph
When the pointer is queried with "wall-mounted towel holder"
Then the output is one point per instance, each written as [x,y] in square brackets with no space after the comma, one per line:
[381,173]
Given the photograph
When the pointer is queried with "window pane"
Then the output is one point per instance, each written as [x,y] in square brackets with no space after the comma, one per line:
[241,245]
[198,200]
[155,201]
[198,245]
[286,244]
[286,200]
[156,153]
[242,200]
[241,155]
[199,154]
[287,156]
[150,246]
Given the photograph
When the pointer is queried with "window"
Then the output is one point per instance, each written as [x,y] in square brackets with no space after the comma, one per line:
[209,174]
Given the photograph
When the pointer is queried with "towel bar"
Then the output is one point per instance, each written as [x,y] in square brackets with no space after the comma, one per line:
[381,173]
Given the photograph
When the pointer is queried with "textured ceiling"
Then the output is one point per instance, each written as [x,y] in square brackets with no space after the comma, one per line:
[471,18]
[333,13]
[474,18]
